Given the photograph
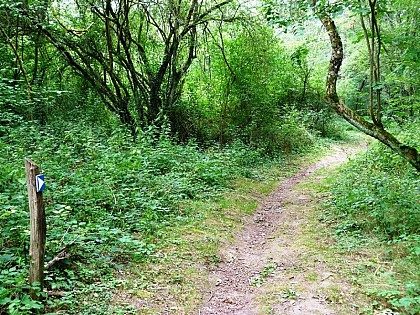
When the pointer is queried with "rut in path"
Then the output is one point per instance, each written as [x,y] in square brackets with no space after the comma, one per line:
[262,241]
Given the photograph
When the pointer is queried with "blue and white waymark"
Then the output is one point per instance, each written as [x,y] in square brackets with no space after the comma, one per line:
[40,183]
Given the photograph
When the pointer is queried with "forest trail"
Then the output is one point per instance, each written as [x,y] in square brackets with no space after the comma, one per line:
[267,269]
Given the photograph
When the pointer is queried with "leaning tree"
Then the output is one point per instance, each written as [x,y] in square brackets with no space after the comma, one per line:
[284,12]
[375,127]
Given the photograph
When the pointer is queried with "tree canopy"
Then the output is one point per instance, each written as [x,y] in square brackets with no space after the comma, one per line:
[147,62]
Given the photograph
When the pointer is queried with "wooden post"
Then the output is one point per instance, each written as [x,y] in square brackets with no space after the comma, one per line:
[38,228]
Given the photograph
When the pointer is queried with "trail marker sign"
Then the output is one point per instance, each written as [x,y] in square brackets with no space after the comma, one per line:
[40,183]
[35,183]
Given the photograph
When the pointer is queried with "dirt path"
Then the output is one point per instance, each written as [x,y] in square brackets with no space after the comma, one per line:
[266,270]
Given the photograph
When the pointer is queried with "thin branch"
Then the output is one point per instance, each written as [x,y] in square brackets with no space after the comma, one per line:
[18,58]
[63,254]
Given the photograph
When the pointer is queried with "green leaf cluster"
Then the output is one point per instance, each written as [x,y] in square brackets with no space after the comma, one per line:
[107,199]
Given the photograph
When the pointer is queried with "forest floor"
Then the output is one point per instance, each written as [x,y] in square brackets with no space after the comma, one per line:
[276,265]
[278,259]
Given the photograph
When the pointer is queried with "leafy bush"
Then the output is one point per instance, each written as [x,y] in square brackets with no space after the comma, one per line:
[107,198]
[293,134]
[380,192]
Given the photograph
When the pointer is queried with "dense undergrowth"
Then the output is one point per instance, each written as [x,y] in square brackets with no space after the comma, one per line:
[108,198]
[101,192]
[376,201]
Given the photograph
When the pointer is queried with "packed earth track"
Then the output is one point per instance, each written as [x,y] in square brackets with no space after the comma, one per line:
[260,269]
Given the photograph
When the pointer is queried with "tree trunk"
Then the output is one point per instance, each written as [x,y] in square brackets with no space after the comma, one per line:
[155,105]
[375,131]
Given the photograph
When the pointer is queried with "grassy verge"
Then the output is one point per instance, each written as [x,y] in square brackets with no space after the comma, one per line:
[370,230]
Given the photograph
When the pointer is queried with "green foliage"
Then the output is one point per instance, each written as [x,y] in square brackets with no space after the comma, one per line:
[375,197]
[249,87]
[268,270]
[407,299]
[14,295]
[380,192]
[289,134]
[399,66]
[239,85]
[107,198]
